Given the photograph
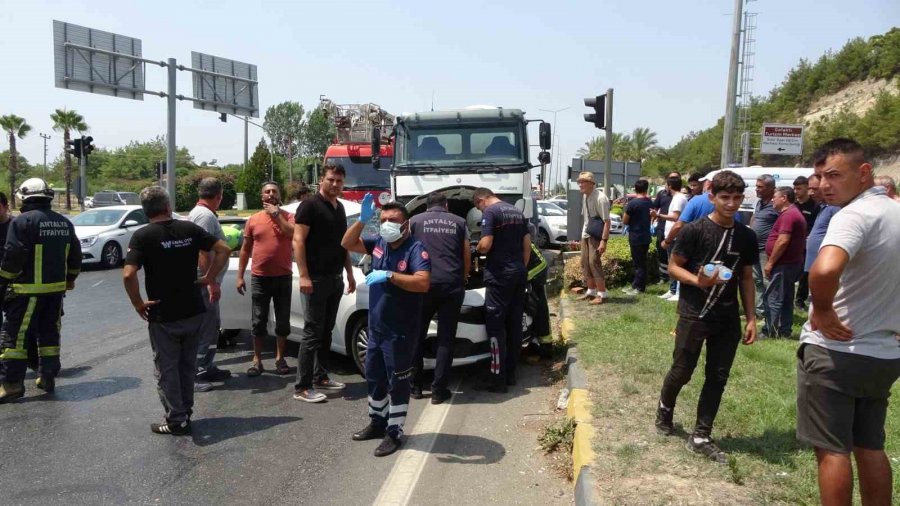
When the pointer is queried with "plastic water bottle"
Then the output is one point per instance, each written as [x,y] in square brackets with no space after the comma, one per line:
[725,273]
[709,270]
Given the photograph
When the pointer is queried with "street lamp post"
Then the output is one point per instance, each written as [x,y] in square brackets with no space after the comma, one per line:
[46,138]
[555,146]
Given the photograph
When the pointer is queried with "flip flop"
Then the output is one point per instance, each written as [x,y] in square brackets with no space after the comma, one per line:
[255,370]
[281,367]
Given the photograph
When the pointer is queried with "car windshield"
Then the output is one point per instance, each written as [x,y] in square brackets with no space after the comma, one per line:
[98,217]
[547,209]
[360,173]
[492,147]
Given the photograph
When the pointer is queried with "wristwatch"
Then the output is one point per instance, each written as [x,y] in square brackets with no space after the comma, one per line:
[390,275]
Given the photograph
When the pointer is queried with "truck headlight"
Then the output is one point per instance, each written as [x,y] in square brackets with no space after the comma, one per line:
[89,241]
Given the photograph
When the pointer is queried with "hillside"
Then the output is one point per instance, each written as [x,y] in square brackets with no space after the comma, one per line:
[854,92]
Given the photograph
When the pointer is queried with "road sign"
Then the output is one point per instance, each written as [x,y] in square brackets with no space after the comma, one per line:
[224,86]
[99,62]
[778,139]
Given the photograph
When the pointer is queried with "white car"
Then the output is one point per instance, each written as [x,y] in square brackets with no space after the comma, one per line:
[559,201]
[104,233]
[615,224]
[350,336]
[553,225]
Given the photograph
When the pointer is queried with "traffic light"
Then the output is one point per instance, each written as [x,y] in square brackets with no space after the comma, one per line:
[73,147]
[160,169]
[86,147]
[598,118]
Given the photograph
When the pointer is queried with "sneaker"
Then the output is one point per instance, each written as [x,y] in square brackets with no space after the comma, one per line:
[388,446]
[214,374]
[440,396]
[630,292]
[175,429]
[371,431]
[673,298]
[416,393]
[11,391]
[666,295]
[664,425]
[46,383]
[329,384]
[707,448]
[202,386]
[309,395]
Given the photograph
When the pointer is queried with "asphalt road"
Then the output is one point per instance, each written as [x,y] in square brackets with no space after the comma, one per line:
[90,443]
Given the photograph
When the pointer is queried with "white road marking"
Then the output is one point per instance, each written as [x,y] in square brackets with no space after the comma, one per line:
[398,488]
[98,283]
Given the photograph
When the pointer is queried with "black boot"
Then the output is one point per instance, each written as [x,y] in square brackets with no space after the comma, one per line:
[371,431]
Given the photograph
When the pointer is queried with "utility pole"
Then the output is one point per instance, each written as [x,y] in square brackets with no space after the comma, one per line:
[556,148]
[246,140]
[46,138]
[731,92]
[170,135]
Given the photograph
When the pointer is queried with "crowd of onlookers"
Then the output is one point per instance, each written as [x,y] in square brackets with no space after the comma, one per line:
[829,240]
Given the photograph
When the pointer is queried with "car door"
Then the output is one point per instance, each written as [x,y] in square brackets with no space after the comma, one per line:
[125,233]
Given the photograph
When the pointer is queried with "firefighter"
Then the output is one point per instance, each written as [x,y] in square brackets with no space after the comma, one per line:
[42,260]
[536,301]
[506,242]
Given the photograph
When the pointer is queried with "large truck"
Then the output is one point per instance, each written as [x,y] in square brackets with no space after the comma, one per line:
[355,125]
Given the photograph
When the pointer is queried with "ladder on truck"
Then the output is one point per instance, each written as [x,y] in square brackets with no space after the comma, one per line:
[354,122]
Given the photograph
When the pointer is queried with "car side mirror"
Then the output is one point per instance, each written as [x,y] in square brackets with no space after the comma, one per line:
[544,136]
[130,223]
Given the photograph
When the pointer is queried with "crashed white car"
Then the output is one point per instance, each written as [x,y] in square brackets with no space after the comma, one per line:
[350,335]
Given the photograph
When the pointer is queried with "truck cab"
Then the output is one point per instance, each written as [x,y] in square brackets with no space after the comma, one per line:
[361,179]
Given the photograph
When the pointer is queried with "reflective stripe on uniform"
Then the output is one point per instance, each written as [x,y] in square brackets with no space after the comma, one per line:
[9,275]
[23,329]
[36,289]
[540,266]
[39,264]
[14,354]
[548,339]
[48,351]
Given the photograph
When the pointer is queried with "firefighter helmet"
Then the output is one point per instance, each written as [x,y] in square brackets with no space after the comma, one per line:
[34,188]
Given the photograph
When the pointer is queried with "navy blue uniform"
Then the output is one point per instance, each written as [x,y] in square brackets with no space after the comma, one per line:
[392,327]
[638,211]
[444,236]
[504,278]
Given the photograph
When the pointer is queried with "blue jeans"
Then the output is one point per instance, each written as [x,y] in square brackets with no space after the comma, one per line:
[779,299]
[760,279]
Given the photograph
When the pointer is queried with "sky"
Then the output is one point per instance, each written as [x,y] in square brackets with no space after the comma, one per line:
[667,61]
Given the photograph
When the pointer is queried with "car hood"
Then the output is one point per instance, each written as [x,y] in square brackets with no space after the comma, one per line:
[556,221]
[83,231]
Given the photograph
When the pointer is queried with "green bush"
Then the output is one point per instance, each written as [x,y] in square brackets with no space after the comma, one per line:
[618,268]
[618,209]
[186,189]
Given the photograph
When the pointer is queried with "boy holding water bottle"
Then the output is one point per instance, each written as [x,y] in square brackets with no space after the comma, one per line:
[712,258]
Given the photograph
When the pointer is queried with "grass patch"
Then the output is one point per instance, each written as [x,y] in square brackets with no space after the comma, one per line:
[558,436]
[626,346]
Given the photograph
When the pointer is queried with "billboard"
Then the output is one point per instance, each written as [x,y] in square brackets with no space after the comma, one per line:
[224,86]
[94,61]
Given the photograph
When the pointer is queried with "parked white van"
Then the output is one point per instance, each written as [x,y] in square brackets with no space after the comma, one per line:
[784,176]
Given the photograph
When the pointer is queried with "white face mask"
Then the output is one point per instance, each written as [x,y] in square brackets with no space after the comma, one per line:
[391,232]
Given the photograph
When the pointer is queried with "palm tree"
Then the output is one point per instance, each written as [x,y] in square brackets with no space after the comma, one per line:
[643,143]
[595,149]
[15,127]
[65,121]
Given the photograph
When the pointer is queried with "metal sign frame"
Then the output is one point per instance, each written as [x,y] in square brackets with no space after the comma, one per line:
[223,85]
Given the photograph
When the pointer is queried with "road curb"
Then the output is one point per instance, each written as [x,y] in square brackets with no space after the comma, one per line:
[578,408]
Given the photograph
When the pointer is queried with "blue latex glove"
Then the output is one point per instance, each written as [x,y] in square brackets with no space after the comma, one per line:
[653,229]
[368,208]
[376,277]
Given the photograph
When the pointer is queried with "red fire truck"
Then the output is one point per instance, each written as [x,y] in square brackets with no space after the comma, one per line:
[352,149]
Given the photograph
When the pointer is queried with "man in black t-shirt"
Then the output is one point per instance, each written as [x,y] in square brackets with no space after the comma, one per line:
[661,206]
[168,249]
[637,217]
[809,209]
[708,308]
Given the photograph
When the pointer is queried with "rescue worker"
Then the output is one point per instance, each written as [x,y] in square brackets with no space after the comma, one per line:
[506,242]
[400,276]
[41,262]
[536,301]
[446,239]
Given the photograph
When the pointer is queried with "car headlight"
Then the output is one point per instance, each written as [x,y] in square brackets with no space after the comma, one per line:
[89,241]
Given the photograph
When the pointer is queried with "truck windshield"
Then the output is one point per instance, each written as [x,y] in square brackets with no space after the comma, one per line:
[360,173]
[460,147]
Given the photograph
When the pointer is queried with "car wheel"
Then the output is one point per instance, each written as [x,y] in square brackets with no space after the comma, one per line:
[543,239]
[358,342]
[111,255]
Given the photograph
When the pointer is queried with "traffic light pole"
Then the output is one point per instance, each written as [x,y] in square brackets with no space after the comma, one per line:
[609,141]
[171,172]
[82,184]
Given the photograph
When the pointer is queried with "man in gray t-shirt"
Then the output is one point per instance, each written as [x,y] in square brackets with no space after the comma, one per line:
[764,216]
[849,356]
[204,215]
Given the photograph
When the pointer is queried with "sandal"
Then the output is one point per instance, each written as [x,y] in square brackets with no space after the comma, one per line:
[281,367]
[256,369]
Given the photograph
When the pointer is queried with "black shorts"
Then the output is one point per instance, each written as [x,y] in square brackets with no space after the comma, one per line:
[842,398]
[277,291]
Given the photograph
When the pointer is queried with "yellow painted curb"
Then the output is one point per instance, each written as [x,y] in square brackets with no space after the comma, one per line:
[566,329]
[579,406]
[582,453]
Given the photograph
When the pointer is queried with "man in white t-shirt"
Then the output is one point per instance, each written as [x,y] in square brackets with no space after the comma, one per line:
[676,206]
[849,357]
